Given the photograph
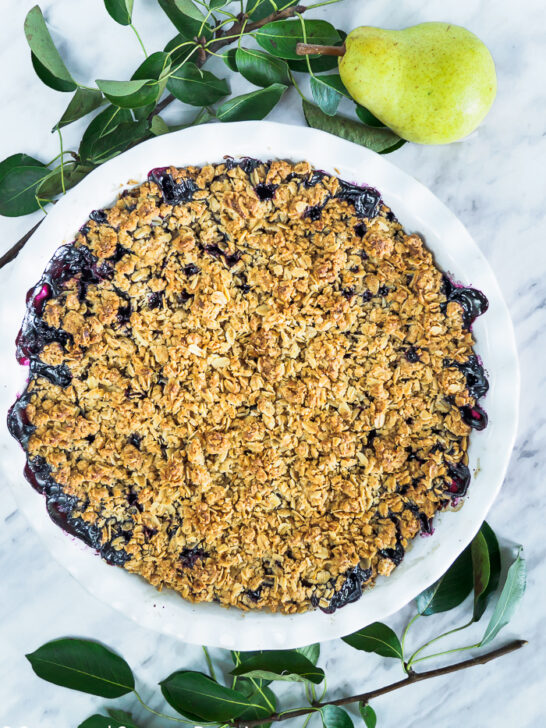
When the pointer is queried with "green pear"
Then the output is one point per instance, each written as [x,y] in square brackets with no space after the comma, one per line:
[431,83]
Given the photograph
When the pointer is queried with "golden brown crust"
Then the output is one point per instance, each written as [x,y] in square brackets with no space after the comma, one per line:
[248,430]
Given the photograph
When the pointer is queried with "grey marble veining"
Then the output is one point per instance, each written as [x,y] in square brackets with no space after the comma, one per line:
[495,182]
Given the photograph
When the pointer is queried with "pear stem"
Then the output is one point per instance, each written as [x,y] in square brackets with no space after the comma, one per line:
[310,49]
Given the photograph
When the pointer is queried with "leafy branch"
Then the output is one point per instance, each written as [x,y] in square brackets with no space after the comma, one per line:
[247,700]
[127,112]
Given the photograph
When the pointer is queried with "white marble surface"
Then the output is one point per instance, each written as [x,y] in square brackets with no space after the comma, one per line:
[495,182]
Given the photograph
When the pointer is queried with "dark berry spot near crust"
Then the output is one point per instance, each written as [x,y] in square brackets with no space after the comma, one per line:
[189,557]
[348,293]
[382,291]
[313,213]
[475,417]
[265,192]
[367,296]
[361,230]
[351,590]
[173,193]
[98,216]
[365,199]
[135,439]
[412,355]
[460,479]
[155,299]
[191,270]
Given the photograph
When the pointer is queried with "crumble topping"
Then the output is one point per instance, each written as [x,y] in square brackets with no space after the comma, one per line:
[250,385]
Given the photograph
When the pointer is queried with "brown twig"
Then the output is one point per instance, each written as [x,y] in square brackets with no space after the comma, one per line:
[13,252]
[311,49]
[413,677]
[224,38]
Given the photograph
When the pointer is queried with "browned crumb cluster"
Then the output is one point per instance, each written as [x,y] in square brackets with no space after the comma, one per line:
[259,399]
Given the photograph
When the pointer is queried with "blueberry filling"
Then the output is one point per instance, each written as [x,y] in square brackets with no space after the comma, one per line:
[412,355]
[265,192]
[189,557]
[314,179]
[135,439]
[348,293]
[361,229]
[476,381]
[382,291]
[98,216]
[155,299]
[472,301]
[173,193]
[191,270]
[367,296]
[313,213]
[365,199]
[460,479]
[474,416]
[60,375]
[350,591]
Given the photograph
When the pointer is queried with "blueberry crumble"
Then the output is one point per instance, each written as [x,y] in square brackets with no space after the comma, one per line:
[248,384]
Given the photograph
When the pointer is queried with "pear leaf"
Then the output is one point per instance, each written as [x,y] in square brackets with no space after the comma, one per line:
[46,59]
[511,594]
[260,68]
[84,101]
[255,105]
[378,140]
[120,10]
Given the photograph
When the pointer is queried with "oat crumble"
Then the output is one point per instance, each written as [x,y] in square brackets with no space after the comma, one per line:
[250,385]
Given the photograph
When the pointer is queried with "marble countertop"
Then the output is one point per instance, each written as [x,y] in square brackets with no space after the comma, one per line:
[494,181]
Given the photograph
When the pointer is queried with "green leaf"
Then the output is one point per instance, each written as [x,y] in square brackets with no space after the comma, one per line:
[368,715]
[120,10]
[511,594]
[18,189]
[83,665]
[122,717]
[103,139]
[187,19]
[318,63]
[451,589]
[158,126]
[196,87]
[58,84]
[255,105]
[262,8]
[366,117]
[480,565]
[199,697]
[263,703]
[18,160]
[312,652]
[280,665]
[378,638]
[101,721]
[281,37]
[335,717]
[156,65]
[84,101]
[52,185]
[46,59]
[324,93]
[217,4]
[260,68]
[178,54]
[480,604]
[230,59]
[130,94]
[378,140]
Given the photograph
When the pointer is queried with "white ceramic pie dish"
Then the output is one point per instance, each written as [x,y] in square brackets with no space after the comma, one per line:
[419,211]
